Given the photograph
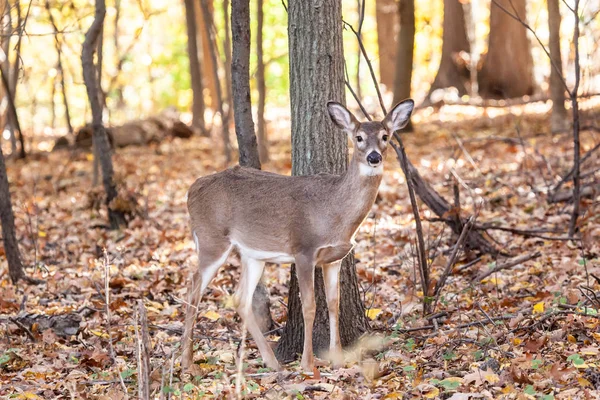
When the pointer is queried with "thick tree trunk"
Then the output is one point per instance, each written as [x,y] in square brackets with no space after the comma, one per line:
[13,257]
[263,145]
[100,139]
[388,25]
[240,79]
[404,54]
[558,119]
[454,40]
[195,67]
[316,77]
[507,69]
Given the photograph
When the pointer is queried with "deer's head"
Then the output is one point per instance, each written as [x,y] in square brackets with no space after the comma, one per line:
[370,139]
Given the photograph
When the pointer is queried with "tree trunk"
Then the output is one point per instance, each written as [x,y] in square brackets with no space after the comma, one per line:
[227,50]
[404,55]
[13,257]
[195,68]
[100,139]
[454,40]
[558,119]
[212,53]
[387,36]
[204,22]
[263,145]
[316,77]
[60,69]
[507,69]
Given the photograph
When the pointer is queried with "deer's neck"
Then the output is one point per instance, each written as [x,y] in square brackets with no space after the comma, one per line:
[358,190]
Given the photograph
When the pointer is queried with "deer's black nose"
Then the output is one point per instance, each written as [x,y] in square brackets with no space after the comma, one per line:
[374,158]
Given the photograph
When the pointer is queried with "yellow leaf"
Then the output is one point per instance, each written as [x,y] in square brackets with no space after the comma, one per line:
[432,394]
[538,308]
[90,157]
[584,382]
[517,341]
[41,234]
[571,339]
[212,315]
[101,334]
[372,313]
[28,395]
[394,395]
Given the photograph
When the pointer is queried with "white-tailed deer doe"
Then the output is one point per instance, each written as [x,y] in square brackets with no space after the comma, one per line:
[307,220]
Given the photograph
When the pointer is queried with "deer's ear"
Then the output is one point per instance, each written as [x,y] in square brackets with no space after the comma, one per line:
[399,116]
[342,117]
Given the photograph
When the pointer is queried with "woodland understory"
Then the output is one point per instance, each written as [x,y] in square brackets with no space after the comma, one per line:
[527,331]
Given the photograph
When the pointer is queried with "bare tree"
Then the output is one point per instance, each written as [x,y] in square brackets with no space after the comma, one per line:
[240,79]
[317,76]
[59,67]
[212,52]
[263,145]
[387,36]
[404,54]
[195,67]
[13,257]
[507,69]
[558,119]
[100,139]
[454,40]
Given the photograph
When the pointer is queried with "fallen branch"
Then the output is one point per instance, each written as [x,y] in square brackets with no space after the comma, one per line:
[142,351]
[569,174]
[508,264]
[567,195]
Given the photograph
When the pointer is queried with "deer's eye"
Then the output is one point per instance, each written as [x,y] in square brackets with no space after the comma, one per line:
[359,139]
[385,138]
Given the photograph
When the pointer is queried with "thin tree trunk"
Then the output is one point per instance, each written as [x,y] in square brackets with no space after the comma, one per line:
[59,67]
[558,119]
[404,55]
[227,49]
[11,248]
[215,74]
[576,142]
[387,36]
[195,68]
[208,43]
[263,145]
[240,80]
[507,69]
[360,5]
[454,40]
[14,118]
[316,77]
[100,139]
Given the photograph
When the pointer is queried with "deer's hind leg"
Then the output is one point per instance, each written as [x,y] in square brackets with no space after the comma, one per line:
[252,270]
[211,257]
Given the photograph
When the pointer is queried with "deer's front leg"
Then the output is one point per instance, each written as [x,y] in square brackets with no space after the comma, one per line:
[305,270]
[331,278]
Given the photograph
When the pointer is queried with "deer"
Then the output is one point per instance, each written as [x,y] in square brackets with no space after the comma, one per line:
[307,220]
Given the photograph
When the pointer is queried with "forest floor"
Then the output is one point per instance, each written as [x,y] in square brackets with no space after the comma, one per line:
[530,331]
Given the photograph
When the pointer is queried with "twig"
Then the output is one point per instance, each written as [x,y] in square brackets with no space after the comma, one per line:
[107,304]
[508,264]
[143,351]
[422,258]
[23,328]
[466,325]
[570,173]
[576,143]
[457,247]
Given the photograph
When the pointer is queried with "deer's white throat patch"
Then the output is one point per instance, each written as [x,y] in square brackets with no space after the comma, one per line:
[367,170]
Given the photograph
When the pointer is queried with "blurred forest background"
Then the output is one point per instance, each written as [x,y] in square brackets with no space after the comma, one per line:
[483,283]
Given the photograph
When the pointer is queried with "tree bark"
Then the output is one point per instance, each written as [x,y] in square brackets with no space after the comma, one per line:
[387,36]
[558,118]
[195,68]
[263,145]
[100,139]
[507,69]
[317,76]
[454,40]
[204,19]
[404,54]
[59,67]
[212,53]
[11,248]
